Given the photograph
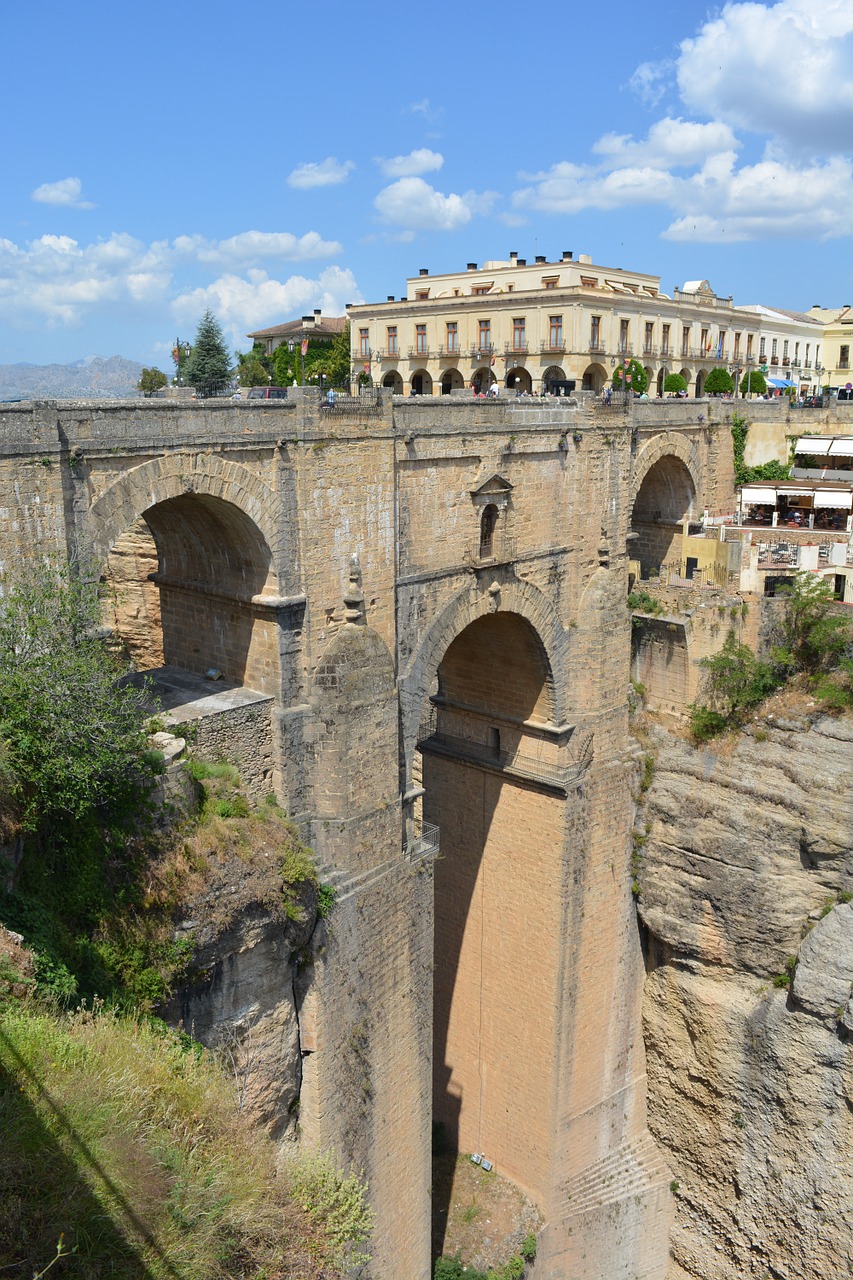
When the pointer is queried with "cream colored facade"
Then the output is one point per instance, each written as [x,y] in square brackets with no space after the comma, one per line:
[791,344]
[530,325]
[837,325]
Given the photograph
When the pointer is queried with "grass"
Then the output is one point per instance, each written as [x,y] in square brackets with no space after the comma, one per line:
[123,1140]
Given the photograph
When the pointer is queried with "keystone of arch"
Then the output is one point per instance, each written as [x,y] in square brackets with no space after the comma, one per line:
[466,607]
[173,476]
[668,445]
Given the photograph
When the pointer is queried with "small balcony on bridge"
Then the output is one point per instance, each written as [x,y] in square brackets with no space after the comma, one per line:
[499,549]
[422,840]
[436,736]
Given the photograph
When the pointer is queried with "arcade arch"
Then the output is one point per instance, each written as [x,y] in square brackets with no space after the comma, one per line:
[394,382]
[482,379]
[594,378]
[518,380]
[421,383]
[552,374]
[451,380]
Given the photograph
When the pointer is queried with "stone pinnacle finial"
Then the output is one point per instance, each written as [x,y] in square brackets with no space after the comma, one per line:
[353,595]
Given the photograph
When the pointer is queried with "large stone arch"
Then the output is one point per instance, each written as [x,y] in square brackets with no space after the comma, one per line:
[216,593]
[668,444]
[177,475]
[513,596]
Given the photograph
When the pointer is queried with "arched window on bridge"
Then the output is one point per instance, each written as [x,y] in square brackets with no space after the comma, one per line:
[488,520]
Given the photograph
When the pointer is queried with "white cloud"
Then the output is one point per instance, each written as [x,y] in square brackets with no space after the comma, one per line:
[250,248]
[785,70]
[669,143]
[67,192]
[420,161]
[650,81]
[57,280]
[415,205]
[245,305]
[323,173]
[569,188]
[762,201]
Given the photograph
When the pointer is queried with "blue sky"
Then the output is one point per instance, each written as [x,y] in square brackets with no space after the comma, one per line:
[160,159]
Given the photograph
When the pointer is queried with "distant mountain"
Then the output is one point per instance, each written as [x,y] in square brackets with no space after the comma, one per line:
[93,376]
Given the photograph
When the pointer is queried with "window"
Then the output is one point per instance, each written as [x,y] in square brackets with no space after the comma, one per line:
[364,342]
[749,346]
[421,295]
[704,342]
[685,340]
[485,334]
[623,336]
[555,331]
[721,345]
[452,335]
[808,349]
[480,289]
[817,354]
[762,349]
[550,282]
[589,282]
[392,339]
[488,520]
[664,342]
[648,337]
[775,345]
[595,333]
[844,358]
[797,352]
[420,339]
[737,346]
[519,337]
[785,349]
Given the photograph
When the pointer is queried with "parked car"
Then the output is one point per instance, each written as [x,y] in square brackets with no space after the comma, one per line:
[267,393]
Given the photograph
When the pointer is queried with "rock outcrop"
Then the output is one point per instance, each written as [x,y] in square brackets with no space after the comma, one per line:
[746,868]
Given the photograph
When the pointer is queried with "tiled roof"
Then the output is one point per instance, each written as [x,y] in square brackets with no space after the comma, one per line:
[325,327]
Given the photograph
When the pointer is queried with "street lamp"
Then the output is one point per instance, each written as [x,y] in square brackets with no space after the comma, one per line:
[180,350]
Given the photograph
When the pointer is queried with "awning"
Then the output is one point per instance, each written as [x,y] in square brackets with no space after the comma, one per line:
[814,444]
[833,498]
[838,446]
[779,382]
[752,493]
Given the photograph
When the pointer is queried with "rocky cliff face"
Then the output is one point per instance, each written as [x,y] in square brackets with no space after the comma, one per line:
[748,862]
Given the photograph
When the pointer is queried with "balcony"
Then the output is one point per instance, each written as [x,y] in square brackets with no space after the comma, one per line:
[422,840]
[774,359]
[419,353]
[500,550]
[597,348]
[842,364]
[433,740]
[482,352]
[381,353]
[448,353]
[552,346]
[516,348]
[785,361]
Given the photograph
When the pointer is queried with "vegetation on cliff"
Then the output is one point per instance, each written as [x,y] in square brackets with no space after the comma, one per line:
[813,644]
[124,1145]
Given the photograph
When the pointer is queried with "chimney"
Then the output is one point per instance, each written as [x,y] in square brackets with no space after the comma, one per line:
[567,255]
[472,266]
[522,262]
[390,297]
[308,320]
[513,257]
[540,257]
[317,312]
[424,271]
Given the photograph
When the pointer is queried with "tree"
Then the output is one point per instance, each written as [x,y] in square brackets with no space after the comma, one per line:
[673,383]
[719,383]
[151,380]
[753,382]
[736,681]
[255,367]
[209,364]
[636,377]
[74,739]
[815,634]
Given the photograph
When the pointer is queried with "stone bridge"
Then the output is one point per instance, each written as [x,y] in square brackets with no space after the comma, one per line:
[420,610]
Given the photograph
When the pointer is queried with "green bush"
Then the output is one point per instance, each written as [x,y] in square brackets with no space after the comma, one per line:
[735,683]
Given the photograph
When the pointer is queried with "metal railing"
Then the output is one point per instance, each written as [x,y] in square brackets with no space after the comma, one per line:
[214,389]
[553,347]
[339,404]
[513,349]
[772,555]
[422,840]
[500,550]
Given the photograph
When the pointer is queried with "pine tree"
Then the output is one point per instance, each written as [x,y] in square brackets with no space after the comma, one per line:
[209,368]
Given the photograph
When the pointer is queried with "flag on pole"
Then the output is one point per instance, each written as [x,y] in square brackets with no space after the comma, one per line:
[305,346]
